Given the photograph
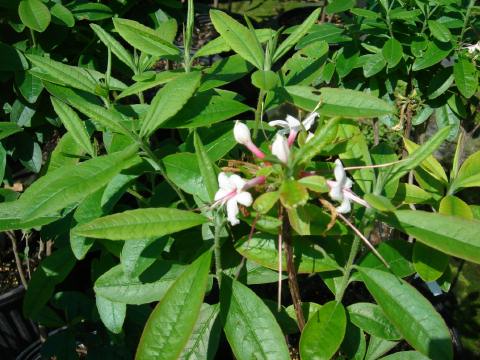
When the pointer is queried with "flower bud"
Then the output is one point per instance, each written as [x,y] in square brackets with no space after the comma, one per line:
[241,132]
[281,149]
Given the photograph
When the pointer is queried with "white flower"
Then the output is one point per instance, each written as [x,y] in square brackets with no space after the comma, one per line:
[473,48]
[241,133]
[280,148]
[291,125]
[309,120]
[231,192]
[340,190]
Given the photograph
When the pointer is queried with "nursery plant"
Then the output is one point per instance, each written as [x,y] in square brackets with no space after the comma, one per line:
[239,208]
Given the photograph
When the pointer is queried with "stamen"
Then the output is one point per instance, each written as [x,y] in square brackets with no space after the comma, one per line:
[373,166]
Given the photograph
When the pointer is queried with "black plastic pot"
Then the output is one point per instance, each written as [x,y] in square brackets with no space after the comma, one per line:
[16,333]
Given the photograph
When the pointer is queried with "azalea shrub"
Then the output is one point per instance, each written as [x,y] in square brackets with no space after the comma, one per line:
[228,201]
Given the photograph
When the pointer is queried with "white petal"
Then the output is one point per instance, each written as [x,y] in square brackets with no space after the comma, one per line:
[221,194]
[280,148]
[309,120]
[348,183]
[223,182]
[241,133]
[309,137]
[236,182]
[339,172]
[232,211]
[281,123]
[344,207]
[336,191]
[293,123]
[244,198]
[354,197]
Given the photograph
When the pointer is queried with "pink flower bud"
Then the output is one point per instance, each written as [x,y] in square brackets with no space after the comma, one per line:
[241,132]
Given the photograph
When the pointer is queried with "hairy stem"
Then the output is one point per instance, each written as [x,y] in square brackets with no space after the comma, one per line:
[292,272]
[348,269]
[258,114]
[218,250]
[18,262]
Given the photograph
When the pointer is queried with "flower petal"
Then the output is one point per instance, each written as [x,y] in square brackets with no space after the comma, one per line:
[339,172]
[232,211]
[344,207]
[293,123]
[244,198]
[309,120]
[236,182]
[281,123]
[221,194]
[336,191]
[354,197]
[223,182]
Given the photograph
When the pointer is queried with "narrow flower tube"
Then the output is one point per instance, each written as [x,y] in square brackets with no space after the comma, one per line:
[241,133]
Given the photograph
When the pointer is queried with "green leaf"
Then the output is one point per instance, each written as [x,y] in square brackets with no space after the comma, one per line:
[225,71]
[8,128]
[205,109]
[371,318]
[238,37]
[352,104]
[92,11]
[265,80]
[206,168]
[305,66]
[139,255]
[323,334]
[373,64]
[34,14]
[310,257]
[445,117]
[29,86]
[468,175]
[293,194]
[108,118]
[466,77]
[354,344]
[61,74]
[250,327]
[429,263]
[145,39]
[140,224]
[296,35]
[71,184]
[169,101]
[111,313]
[111,43]
[378,347]
[440,83]
[117,286]
[322,138]
[171,323]
[405,355]
[439,31]
[74,125]
[413,315]
[380,203]
[419,155]
[266,201]
[205,337]
[430,164]
[159,79]
[337,6]
[435,53]
[315,183]
[62,16]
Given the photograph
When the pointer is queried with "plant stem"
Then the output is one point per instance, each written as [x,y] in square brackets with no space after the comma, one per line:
[292,273]
[145,147]
[34,40]
[348,268]
[18,262]
[258,113]
[218,249]
[467,18]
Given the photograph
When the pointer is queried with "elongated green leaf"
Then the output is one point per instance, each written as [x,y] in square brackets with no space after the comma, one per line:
[110,42]
[373,64]
[206,109]
[468,175]
[171,323]
[413,316]
[372,320]
[419,155]
[34,14]
[169,100]
[117,286]
[62,74]
[392,52]
[11,214]
[429,263]
[440,83]
[238,37]
[309,256]
[159,79]
[296,35]
[74,125]
[430,164]
[225,71]
[92,11]
[61,15]
[452,235]
[466,77]
[108,118]
[143,38]
[250,327]
[71,184]
[352,103]
[140,224]
[436,52]
[378,347]
[8,128]
[439,31]
[29,86]
[320,140]
[405,355]
[139,255]
[203,342]
[206,168]
[323,334]
[111,313]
